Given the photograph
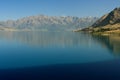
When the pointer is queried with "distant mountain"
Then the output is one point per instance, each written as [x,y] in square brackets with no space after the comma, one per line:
[109,19]
[42,22]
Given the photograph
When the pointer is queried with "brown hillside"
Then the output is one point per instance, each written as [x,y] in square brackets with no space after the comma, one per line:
[109,19]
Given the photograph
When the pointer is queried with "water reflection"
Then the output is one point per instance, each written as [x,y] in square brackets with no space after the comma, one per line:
[48,39]
[111,42]
[63,40]
[30,63]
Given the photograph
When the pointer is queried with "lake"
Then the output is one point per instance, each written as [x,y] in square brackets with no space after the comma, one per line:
[38,55]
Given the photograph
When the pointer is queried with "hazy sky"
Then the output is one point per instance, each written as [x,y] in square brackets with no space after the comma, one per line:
[14,9]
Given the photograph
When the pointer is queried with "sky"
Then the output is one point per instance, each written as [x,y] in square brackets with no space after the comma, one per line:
[15,9]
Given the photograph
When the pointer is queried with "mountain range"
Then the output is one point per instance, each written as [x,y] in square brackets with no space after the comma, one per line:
[46,23]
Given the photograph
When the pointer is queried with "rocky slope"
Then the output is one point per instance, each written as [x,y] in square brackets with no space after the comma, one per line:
[109,23]
[109,19]
[42,22]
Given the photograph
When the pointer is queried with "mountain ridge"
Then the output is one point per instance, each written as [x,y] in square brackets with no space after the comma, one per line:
[49,22]
[107,24]
[111,18]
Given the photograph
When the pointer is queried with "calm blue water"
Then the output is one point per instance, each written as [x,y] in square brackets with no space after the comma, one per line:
[37,49]
[27,49]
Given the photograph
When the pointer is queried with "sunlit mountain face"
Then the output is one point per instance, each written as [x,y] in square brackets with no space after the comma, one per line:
[48,23]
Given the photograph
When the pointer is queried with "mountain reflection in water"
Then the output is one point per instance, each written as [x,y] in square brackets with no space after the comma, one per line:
[35,55]
[56,39]
[111,42]
[47,39]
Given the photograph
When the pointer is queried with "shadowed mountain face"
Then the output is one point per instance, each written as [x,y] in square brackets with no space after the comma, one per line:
[111,18]
[54,23]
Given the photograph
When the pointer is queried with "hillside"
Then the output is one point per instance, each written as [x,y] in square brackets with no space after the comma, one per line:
[42,22]
[111,18]
[109,23]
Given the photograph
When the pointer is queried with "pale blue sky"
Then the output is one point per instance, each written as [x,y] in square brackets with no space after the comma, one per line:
[14,9]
